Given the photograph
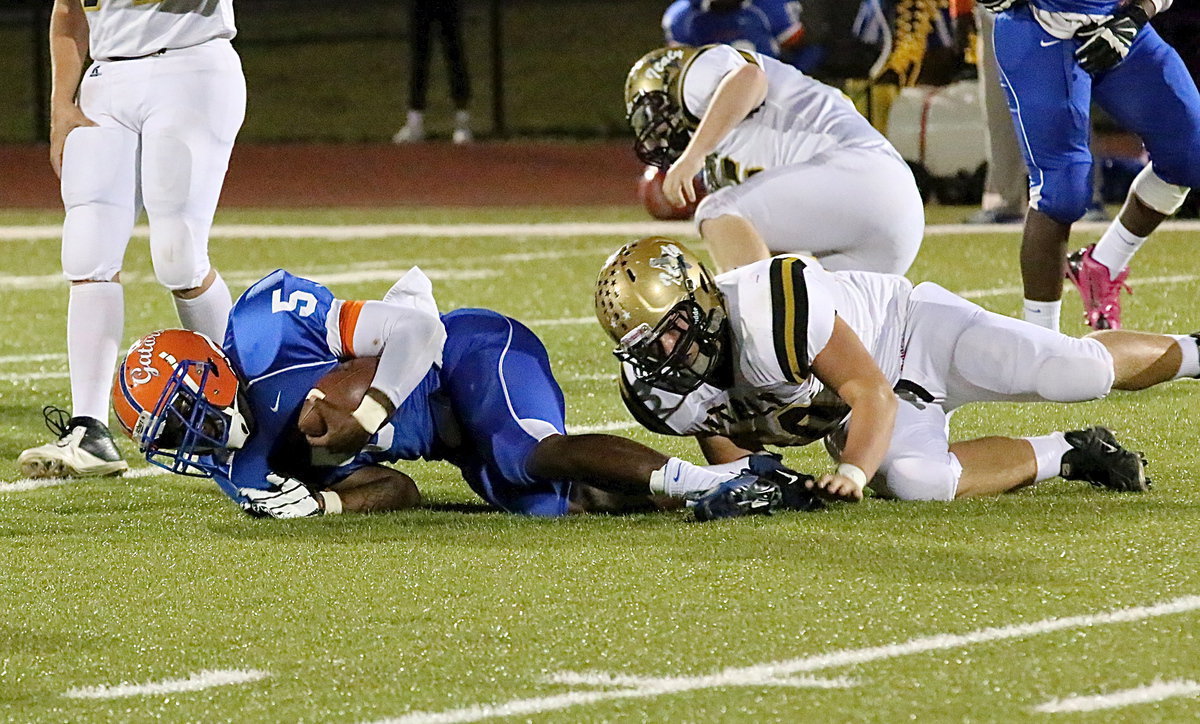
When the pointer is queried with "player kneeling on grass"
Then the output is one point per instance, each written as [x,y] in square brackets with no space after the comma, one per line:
[783,352]
[282,436]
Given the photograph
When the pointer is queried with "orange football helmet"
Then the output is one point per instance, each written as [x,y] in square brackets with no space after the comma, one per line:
[179,398]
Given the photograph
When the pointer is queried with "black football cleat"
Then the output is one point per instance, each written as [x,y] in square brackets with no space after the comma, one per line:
[84,448]
[747,494]
[1097,457]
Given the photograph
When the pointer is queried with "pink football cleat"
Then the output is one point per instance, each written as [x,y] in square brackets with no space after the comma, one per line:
[1101,294]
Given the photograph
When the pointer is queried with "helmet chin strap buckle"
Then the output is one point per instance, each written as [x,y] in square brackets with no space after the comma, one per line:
[139,430]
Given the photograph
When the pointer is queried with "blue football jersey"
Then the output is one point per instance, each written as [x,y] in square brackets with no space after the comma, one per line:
[277,340]
[1085,7]
[756,26]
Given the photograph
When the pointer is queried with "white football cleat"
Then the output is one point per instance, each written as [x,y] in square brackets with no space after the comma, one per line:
[462,128]
[84,448]
[410,133]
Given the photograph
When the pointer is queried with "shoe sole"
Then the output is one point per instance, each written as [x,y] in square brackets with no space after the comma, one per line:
[1140,484]
[42,467]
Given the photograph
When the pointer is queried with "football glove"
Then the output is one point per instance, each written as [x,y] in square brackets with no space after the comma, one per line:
[286,498]
[1105,45]
[998,6]
[792,484]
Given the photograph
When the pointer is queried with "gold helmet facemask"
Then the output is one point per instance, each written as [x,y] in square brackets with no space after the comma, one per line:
[661,126]
[654,287]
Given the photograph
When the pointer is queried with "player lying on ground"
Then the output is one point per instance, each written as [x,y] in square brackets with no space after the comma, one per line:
[472,387]
[783,352]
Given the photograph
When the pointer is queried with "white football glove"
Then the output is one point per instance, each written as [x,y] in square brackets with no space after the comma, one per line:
[998,6]
[286,498]
[1108,43]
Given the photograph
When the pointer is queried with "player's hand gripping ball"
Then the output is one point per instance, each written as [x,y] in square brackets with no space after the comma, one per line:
[651,195]
[326,415]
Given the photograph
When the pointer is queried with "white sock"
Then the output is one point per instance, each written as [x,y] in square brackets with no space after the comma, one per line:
[208,313]
[1043,314]
[415,120]
[95,325]
[1117,247]
[462,119]
[1049,450]
[1190,347]
[678,478]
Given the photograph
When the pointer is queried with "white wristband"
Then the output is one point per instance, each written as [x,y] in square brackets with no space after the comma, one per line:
[370,414]
[333,502]
[855,473]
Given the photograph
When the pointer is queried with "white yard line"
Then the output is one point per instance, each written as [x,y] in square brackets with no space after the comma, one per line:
[344,232]
[772,673]
[1157,691]
[19,358]
[19,377]
[600,427]
[26,484]
[561,321]
[338,275]
[200,680]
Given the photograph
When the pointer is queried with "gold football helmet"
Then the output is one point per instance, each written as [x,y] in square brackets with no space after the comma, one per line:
[654,107]
[653,287]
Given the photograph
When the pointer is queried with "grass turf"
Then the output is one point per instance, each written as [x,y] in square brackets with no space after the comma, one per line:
[154,577]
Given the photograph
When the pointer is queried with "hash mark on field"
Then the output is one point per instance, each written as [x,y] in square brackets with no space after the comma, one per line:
[200,680]
[1157,691]
[770,673]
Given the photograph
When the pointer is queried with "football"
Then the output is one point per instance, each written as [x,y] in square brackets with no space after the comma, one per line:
[343,387]
[650,193]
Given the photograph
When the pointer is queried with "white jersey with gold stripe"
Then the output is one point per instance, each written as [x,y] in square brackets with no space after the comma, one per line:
[799,119]
[134,28]
[781,316]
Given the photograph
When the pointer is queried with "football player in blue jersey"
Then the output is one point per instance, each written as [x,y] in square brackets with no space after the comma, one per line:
[1056,57]
[770,27]
[471,386]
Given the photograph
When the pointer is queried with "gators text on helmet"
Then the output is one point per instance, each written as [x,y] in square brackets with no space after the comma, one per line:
[178,397]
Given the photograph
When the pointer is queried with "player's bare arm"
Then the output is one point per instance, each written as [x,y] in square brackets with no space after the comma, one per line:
[376,489]
[68,53]
[740,92]
[718,449]
[846,366]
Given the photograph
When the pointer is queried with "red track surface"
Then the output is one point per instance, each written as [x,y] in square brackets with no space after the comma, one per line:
[428,174]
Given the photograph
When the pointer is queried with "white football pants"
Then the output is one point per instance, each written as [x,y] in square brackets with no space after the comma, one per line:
[957,353]
[853,209]
[166,126]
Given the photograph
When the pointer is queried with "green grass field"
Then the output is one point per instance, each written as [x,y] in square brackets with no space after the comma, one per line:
[1030,607]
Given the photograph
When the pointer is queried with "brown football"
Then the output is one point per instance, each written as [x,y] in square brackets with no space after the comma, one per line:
[343,387]
[650,193]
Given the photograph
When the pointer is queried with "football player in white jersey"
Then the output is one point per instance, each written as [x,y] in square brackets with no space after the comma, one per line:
[149,124]
[790,164]
[783,352]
